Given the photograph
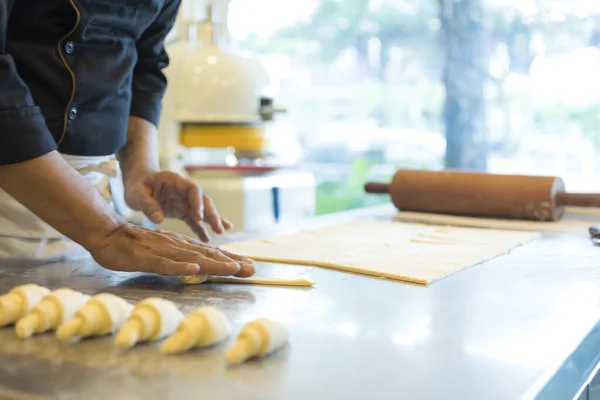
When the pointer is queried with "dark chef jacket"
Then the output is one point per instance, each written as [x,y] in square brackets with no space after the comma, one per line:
[73,71]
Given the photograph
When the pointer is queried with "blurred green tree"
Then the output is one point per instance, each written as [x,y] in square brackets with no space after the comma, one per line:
[455,40]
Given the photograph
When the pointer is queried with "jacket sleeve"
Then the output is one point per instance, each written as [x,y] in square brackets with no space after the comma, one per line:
[23,131]
[149,82]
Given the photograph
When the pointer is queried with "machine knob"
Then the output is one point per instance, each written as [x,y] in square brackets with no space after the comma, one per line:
[267,111]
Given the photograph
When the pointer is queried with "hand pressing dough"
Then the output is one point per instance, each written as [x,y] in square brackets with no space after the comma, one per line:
[152,319]
[563,226]
[19,301]
[205,326]
[201,278]
[54,309]
[259,338]
[414,253]
[103,314]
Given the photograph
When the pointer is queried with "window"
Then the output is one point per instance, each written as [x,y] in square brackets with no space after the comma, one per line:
[507,86]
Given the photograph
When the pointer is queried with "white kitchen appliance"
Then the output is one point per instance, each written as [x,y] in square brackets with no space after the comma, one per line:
[218,127]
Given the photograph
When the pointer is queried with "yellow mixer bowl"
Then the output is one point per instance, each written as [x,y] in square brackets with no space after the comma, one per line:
[241,137]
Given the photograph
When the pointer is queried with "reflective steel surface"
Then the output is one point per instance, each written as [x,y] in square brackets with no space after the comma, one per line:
[514,327]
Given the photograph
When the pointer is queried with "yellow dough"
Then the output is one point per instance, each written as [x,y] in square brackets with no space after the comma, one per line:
[263,281]
[259,338]
[152,319]
[19,301]
[564,225]
[195,279]
[401,251]
[54,309]
[103,314]
[200,278]
[203,327]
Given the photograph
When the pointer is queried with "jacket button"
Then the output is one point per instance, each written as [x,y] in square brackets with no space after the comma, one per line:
[73,113]
[69,47]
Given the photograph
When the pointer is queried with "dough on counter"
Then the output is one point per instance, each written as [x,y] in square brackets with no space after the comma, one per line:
[204,326]
[195,279]
[19,301]
[103,314]
[259,338]
[263,281]
[201,278]
[407,252]
[564,225]
[152,319]
[54,309]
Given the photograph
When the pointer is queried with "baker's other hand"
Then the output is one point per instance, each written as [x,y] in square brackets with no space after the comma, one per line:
[165,194]
[134,249]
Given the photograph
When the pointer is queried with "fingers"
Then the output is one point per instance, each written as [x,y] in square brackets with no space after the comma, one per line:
[178,256]
[164,266]
[183,199]
[210,260]
[211,215]
[212,263]
[131,248]
[246,271]
[198,229]
[226,224]
[187,252]
[248,268]
[196,203]
[213,267]
[151,208]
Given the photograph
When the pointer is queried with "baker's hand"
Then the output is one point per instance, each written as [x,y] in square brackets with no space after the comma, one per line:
[134,249]
[167,194]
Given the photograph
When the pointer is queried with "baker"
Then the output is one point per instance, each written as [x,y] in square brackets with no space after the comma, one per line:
[80,90]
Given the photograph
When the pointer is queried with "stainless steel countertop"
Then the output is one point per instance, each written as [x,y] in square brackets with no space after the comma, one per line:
[501,330]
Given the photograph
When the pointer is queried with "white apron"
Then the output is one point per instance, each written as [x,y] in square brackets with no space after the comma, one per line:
[25,237]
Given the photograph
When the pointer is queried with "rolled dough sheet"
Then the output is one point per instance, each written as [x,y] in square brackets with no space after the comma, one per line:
[407,252]
[263,281]
[300,282]
[563,226]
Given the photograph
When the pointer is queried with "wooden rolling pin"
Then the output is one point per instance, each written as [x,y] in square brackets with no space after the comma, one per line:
[538,198]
